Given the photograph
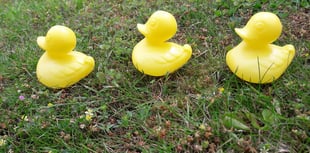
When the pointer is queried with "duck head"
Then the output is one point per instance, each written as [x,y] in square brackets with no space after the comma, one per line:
[59,40]
[160,27]
[262,28]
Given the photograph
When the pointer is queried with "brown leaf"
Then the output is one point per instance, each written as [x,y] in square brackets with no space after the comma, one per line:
[3,126]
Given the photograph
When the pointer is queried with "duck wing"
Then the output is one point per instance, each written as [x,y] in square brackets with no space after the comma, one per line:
[175,53]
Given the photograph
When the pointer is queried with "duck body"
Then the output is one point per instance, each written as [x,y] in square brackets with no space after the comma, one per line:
[62,72]
[159,60]
[256,59]
[60,66]
[259,65]
[153,55]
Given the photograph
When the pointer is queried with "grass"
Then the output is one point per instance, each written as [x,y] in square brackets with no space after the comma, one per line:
[202,107]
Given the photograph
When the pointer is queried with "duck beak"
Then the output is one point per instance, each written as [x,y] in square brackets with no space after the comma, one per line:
[41,42]
[242,32]
[142,29]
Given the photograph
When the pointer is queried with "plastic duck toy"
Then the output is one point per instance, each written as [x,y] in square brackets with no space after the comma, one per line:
[59,66]
[255,59]
[153,55]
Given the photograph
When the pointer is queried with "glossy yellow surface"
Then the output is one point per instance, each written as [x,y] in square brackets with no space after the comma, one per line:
[255,59]
[59,66]
[153,55]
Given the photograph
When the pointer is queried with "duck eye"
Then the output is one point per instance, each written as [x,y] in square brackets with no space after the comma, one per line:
[259,26]
[153,24]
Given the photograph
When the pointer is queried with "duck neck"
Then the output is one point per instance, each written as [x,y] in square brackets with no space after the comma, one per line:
[153,42]
[255,46]
[56,55]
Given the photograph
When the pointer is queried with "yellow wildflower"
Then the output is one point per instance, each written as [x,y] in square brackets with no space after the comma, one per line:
[89,114]
[202,127]
[50,104]
[221,90]
[2,142]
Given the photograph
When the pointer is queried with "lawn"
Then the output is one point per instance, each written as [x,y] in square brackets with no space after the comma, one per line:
[202,107]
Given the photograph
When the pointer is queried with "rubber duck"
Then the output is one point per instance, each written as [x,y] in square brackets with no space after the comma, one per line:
[153,55]
[59,66]
[255,59]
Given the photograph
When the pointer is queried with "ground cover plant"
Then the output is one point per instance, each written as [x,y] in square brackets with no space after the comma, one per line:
[202,107]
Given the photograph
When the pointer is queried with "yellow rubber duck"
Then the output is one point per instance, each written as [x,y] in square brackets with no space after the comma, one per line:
[255,59]
[153,55]
[59,66]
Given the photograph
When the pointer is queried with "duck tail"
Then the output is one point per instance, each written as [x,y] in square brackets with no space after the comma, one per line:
[291,53]
[290,48]
[90,61]
[188,49]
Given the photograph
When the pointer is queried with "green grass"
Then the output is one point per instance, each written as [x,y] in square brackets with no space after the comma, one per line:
[184,111]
